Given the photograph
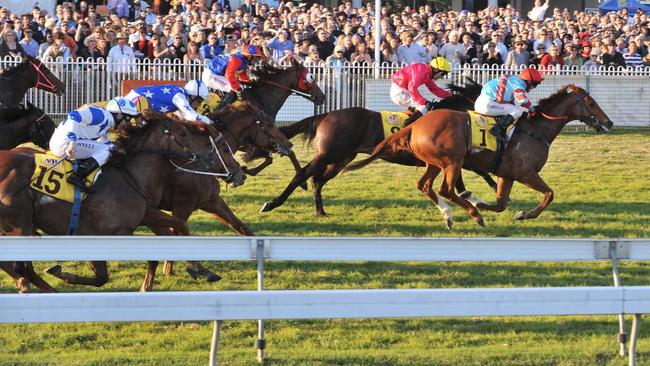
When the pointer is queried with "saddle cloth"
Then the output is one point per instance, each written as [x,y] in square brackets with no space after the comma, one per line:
[392,122]
[210,104]
[53,182]
[480,136]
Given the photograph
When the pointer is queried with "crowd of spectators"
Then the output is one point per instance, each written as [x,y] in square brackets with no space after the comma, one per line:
[197,30]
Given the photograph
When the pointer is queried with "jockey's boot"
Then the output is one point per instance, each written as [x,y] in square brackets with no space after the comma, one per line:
[225,102]
[78,177]
[499,130]
[413,117]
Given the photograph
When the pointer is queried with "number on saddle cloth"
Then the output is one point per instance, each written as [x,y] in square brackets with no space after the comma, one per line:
[480,126]
[51,180]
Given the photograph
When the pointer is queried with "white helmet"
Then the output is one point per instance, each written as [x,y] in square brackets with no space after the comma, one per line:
[197,88]
[122,105]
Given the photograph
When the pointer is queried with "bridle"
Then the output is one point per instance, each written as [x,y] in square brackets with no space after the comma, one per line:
[45,84]
[228,175]
[304,84]
[580,100]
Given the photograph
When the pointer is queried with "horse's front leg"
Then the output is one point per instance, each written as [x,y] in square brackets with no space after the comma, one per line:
[297,167]
[503,197]
[254,171]
[536,182]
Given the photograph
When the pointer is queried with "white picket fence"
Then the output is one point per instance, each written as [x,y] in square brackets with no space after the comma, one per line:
[308,304]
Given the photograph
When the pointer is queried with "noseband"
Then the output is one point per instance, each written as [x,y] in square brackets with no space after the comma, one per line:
[46,84]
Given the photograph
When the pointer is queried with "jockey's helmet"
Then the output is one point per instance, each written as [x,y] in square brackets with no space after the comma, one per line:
[441,64]
[531,76]
[252,51]
[122,105]
[197,88]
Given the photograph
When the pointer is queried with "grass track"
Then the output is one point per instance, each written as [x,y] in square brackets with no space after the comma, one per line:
[601,184]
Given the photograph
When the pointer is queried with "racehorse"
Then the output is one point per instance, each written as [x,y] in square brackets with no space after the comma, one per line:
[244,126]
[441,140]
[15,81]
[186,191]
[32,125]
[339,136]
[125,194]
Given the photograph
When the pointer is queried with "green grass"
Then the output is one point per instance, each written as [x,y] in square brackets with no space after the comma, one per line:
[601,186]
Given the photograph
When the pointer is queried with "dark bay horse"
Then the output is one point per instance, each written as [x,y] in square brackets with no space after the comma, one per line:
[15,81]
[32,125]
[125,196]
[441,140]
[340,135]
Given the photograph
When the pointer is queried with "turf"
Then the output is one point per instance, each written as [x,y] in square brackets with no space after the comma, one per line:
[601,186]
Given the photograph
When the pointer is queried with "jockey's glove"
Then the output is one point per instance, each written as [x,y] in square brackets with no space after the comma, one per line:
[431,105]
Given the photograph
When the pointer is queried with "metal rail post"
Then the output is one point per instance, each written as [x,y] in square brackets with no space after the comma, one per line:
[636,324]
[214,346]
[260,343]
[622,335]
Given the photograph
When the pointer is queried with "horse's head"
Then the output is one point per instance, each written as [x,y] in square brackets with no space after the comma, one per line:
[264,134]
[585,109]
[43,78]
[306,83]
[42,128]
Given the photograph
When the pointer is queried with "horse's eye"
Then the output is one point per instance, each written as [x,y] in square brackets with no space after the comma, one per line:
[310,77]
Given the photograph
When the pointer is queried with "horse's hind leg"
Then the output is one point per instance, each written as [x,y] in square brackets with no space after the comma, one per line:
[425,185]
[319,180]
[36,279]
[536,182]
[451,173]
[99,268]
[22,281]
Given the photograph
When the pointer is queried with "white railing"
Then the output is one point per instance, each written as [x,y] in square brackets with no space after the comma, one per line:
[621,92]
[326,304]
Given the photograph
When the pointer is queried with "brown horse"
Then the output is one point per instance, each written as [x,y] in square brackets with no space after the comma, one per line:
[125,194]
[31,125]
[441,140]
[339,136]
[15,81]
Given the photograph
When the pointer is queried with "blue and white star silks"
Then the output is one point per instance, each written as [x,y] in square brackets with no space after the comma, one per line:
[168,98]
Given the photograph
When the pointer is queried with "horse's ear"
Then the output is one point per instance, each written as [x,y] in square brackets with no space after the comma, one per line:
[296,63]
[30,106]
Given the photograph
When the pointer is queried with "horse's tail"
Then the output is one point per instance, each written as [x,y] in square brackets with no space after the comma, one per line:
[307,127]
[399,138]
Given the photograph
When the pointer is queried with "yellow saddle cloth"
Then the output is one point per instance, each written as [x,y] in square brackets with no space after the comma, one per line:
[210,104]
[53,181]
[480,126]
[393,122]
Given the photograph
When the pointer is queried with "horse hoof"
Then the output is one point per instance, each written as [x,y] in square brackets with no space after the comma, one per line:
[479,220]
[213,277]
[521,215]
[266,207]
[465,195]
[23,285]
[449,223]
[304,186]
[54,270]
[321,214]
[193,273]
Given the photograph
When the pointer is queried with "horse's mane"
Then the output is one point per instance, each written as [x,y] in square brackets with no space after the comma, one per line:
[553,99]
[14,69]
[264,71]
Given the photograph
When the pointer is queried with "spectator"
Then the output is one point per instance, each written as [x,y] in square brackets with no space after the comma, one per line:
[90,50]
[324,45]
[632,57]
[586,51]
[470,54]
[361,56]
[409,52]
[612,58]
[497,39]
[452,51]
[49,39]
[538,11]
[279,44]
[160,50]
[492,57]
[10,46]
[29,44]
[552,60]
[336,59]
[537,58]
[518,57]
[573,59]
[646,60]
[177,48]
[592,64]
[313,57]
[60,50]
[545,39]
[193,56]
[121,56]
[139,41]
[388,50]
[211,49]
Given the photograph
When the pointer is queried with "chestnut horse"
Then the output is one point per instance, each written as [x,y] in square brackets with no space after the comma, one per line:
[441,139]
[340,135]
[125,196]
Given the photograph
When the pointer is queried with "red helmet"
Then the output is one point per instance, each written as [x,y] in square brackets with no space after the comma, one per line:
[531,75]
[252,51]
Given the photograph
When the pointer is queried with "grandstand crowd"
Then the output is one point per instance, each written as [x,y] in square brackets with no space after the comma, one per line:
[196,30]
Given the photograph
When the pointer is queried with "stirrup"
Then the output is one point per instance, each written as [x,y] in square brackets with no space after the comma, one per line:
[499,133]
[81,184]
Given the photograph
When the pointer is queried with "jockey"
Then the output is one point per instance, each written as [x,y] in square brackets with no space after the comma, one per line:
[225,72]
[173,98]
[507,97]
[405,84]
[83,135]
